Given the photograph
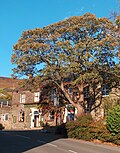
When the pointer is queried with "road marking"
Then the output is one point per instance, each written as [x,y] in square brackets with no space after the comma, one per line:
[52,145]
[47,143]
[23,136]
[41,141]
[72,151]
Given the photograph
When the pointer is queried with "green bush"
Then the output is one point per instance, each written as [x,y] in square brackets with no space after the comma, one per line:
[109,102]
[42,123]
[113,120]
[85,120]
[98,130]
[86,128]
[116,139]
[80,128]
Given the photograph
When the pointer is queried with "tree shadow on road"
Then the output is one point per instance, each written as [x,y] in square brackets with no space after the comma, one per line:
[26,140]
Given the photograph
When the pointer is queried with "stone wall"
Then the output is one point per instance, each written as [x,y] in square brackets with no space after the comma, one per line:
[6,116]
[13,113]
[29,97]
[100,111]
[16,123]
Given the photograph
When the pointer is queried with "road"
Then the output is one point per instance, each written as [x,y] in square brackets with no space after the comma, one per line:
[39,142]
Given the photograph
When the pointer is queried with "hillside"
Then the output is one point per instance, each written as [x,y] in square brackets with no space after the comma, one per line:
[8,83]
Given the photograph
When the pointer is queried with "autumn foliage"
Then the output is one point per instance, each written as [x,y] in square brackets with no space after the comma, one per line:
[82,50]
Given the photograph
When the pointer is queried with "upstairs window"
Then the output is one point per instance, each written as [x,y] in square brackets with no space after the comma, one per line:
[55,97]
[22,98]
[53,94]
[56,101]
[86,92]
[70,91]
[105,90]
[36,96]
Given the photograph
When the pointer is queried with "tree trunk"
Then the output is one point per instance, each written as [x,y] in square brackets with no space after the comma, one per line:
[81,100]
[80,109]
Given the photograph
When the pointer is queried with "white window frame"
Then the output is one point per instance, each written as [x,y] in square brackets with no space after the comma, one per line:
[54,97]
[22,98]
[21,116]
[36,96]
[1,117]
[6,117]
[56,101]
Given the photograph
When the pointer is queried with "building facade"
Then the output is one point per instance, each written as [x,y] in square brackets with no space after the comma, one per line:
[29,110]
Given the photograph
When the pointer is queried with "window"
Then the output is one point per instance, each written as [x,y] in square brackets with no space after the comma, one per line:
[105,90]
[1,117]
[53,94]
[51,115]
[6,117]
[55,97]
[36,96]
[86,92]
[70,92]
[21,116]
[56,101]
[22,98]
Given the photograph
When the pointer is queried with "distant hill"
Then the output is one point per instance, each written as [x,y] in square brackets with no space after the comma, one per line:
[8,83]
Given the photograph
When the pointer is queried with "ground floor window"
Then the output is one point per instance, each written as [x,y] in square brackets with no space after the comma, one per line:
[51,115]
[21,116]
[6,117]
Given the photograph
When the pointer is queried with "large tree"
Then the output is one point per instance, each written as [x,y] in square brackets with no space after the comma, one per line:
[74,53]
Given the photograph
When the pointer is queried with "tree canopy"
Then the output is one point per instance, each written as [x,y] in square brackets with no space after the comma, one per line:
[82,50]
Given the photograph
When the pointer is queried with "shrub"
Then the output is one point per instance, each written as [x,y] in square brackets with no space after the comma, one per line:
[109,102]
[98,130]
[87,129]
[85,120]
[80,128]
[42,123]
[116,139]
[113,120]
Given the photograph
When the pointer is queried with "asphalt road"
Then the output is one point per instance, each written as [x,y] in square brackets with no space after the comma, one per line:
[38,142]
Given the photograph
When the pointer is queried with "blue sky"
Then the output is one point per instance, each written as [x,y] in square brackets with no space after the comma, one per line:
[17,16]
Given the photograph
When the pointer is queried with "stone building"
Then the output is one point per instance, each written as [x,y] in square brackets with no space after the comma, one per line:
[26,112]
[6,85]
